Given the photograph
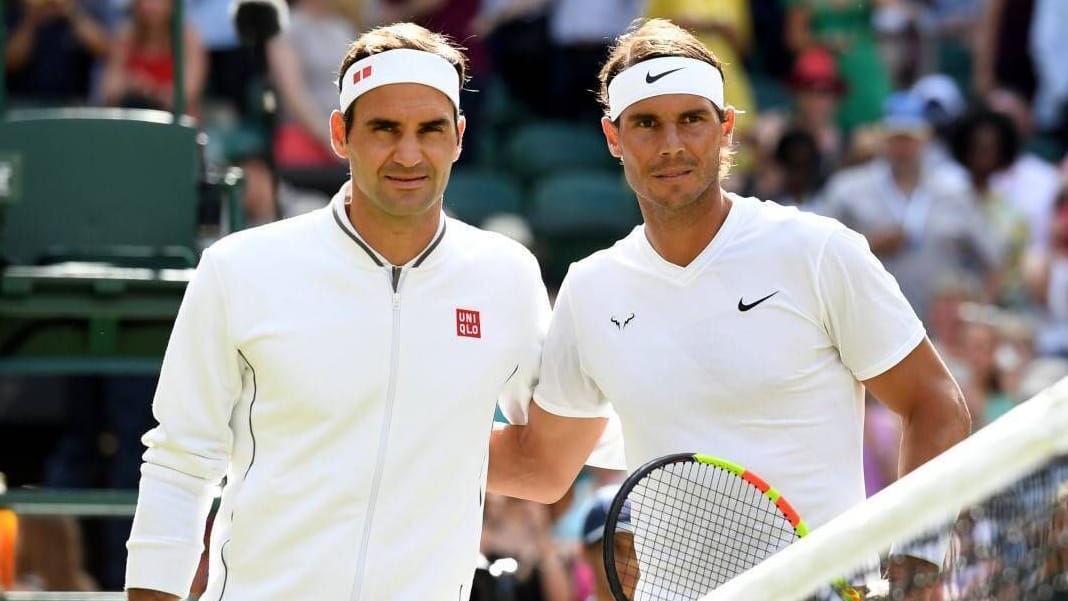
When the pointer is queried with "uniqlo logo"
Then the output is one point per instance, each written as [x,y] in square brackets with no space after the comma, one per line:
[361,74]
[467,323]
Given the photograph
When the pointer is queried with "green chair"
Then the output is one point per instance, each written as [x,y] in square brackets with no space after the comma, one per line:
[576,213]
[475,194]
[107,185]
[543,148]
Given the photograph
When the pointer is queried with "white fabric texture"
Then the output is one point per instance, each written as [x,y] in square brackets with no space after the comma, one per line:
[774,387]
[351,422]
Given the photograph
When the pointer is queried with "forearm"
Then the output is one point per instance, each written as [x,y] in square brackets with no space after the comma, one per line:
[515,470]
[19,46]
[141,594]
[931,429]
[92,36]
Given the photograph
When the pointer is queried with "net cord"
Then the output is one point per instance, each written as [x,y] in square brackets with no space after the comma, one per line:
[1020,441]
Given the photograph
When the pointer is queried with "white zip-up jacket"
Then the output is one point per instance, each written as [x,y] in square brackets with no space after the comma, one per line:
[347,402]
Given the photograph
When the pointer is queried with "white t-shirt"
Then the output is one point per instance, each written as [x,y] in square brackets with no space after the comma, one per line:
[754,352]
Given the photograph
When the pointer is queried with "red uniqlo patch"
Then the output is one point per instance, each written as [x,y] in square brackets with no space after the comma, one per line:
[467,323]
[361,74]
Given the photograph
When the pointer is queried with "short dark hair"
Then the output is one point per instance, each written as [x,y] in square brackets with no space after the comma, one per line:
[963,136]
[396,37]
[649,39]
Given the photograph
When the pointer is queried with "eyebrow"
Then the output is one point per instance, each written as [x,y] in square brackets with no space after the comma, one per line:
[390,123]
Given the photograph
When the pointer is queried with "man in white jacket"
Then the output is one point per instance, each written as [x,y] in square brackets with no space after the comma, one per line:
[341,369]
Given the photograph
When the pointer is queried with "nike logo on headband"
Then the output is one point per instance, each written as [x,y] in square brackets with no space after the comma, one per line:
[650,78]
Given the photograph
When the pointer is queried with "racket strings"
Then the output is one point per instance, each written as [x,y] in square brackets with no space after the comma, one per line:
[695,526]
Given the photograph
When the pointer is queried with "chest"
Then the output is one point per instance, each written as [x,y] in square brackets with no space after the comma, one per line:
[718,343]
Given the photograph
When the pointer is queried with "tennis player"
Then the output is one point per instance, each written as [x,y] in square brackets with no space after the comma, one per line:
[341,368]
[723,325]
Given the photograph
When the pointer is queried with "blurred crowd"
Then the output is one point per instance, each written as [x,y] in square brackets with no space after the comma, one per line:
[936,128]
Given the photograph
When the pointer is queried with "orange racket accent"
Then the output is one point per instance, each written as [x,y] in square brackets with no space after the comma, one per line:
[788,511]
[756,481]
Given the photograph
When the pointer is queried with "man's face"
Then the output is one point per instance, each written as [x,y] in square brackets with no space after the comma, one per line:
[904,149]
[670,147]
[400,149]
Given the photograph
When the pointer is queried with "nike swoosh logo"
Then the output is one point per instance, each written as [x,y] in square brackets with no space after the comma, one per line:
[650,78]
[743,306]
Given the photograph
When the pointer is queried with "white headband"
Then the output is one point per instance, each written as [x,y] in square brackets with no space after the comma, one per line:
[402,65]
[664,75]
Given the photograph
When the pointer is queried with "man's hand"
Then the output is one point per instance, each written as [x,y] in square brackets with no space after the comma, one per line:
[141,594]
[911,578]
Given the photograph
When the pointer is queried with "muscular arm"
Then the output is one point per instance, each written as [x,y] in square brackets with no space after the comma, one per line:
[933,414]
[540,460]
[934,417]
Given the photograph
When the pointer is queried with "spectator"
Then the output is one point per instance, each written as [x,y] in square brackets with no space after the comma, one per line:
[1046,274]
[53,48]
[725,28]
[798,159]
[456,19]
[1002,52]
[846,29]
[230,69]
[140,71]
[317,33]
[1050,55]
[593,539]
[581,31]
[522,531]
[923,223]
[818,89]
[1030,183]
[515,31]
[986,143]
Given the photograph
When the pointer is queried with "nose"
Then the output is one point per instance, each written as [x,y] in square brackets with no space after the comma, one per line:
[408,152]
[671,143]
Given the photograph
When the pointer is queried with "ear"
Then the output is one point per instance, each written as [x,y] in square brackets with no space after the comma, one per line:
[461,126]
[338,140]
[611,136]
[729,116]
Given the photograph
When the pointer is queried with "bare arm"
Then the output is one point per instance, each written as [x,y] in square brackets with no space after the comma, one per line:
[140,594]
[798,35]
[113,84]
[285,71]
[984,46]
[196,67]
[934,417]
[20,44]
[89,32]
[540,460]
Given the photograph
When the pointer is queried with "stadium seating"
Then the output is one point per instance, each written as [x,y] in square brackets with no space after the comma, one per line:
[97,252]
[474,194]
[578,212]
[543,148]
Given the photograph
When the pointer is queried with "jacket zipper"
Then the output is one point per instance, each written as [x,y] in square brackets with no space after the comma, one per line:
[395,275]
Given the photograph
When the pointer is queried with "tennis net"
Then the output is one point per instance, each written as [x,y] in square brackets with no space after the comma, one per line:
[993,510]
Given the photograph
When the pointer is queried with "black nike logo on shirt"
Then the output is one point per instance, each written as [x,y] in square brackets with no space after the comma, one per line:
[650,78]
[743,306]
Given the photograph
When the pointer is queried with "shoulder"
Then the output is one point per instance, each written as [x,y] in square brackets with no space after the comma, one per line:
[491,248]
[256,245]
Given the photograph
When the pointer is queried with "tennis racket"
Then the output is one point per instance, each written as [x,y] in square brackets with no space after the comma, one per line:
[684,524]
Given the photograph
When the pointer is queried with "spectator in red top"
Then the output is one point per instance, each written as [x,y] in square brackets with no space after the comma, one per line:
[140,72]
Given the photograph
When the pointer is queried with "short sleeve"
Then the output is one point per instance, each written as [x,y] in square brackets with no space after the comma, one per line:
[534,313]
[565,389]
[862,307]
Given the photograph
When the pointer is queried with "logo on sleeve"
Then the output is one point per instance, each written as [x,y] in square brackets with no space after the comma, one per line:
[468,323]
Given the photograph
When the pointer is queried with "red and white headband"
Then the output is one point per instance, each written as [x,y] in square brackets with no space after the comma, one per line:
[664,75]
[402,65]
